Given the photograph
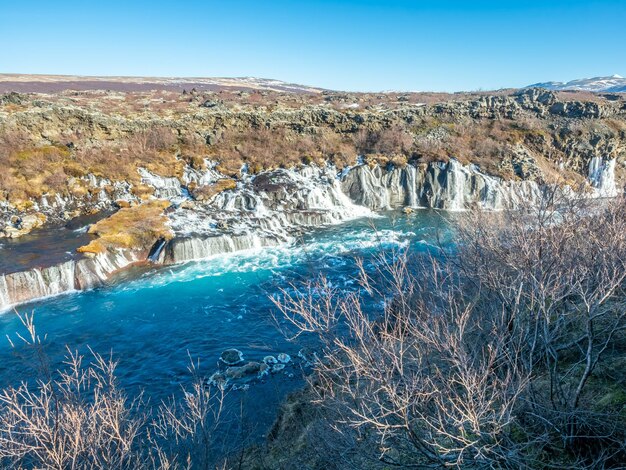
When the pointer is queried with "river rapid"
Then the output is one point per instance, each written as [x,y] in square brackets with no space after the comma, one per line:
[154,319]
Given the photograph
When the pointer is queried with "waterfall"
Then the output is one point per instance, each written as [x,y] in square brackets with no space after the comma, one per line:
[274,207]
[379,189]
[320,190]
[87,273]
[202,178]
[602,177]
[156,250]
[455,187]
[450,186]
[181,250]
[20,287]
[264,210]
[4,293]
[164,188]
[411,185]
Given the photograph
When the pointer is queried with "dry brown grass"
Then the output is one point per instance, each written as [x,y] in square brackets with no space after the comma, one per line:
[262,149]
[161,130]
[30,170]
[207,192]
[130,228]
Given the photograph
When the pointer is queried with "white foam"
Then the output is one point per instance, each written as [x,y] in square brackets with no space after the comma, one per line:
[271,259]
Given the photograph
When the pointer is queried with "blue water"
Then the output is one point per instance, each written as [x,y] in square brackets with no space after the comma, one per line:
[153,320]
[46,246]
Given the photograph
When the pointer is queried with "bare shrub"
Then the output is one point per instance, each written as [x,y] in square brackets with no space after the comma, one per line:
[78,417]
[388,141]
[152,139]
[79,420]
[496,354]
[184,430]
[559,273]
[262,148]
[426,372]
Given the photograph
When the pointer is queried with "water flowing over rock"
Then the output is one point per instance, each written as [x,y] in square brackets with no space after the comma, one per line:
[164,188]
[87,273]
[274,207]
[201,177]
[91,194]
[602,177]
[455,187]
[19,287]
[264,210]
[439,185]
[181,250]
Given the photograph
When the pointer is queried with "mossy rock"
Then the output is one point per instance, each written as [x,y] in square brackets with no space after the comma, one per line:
[135,228]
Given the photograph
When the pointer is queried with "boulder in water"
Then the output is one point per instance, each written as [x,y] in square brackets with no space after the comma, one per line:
[277,367]
[270,360]
[218,379]
[284,358]
[308,355]
[232,357]
[247,371]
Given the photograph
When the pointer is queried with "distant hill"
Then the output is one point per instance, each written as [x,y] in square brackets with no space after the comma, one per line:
[612,84]
[54,83]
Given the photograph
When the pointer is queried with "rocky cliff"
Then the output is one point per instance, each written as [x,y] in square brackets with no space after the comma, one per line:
[219,169]
[273,208]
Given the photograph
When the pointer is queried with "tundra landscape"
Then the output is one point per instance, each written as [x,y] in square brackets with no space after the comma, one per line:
[499,343]
[404,249]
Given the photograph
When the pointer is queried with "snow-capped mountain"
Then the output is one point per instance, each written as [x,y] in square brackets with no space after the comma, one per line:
[614,84]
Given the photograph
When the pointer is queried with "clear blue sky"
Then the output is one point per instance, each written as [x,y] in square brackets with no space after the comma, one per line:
[349,45]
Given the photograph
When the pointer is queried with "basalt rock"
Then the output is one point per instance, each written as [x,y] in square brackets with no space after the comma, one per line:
[248,371]
[273,208]
[19,226]
[565,134]
[231,357]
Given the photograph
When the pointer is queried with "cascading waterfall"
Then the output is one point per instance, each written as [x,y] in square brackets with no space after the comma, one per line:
[320,189]
[70,276]
[202,177]
[456,186]
[274,207]
[155,253]
[411,185]
[181,250]
[602,177]
[4,293]
[264,210]
[20,287]
[101,195]
[453,186]
[164,188]
[380,189]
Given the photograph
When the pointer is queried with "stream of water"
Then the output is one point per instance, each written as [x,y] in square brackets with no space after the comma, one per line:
[154,319]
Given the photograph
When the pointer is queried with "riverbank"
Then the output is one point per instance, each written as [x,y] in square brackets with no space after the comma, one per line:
[154,317]
[268,209]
